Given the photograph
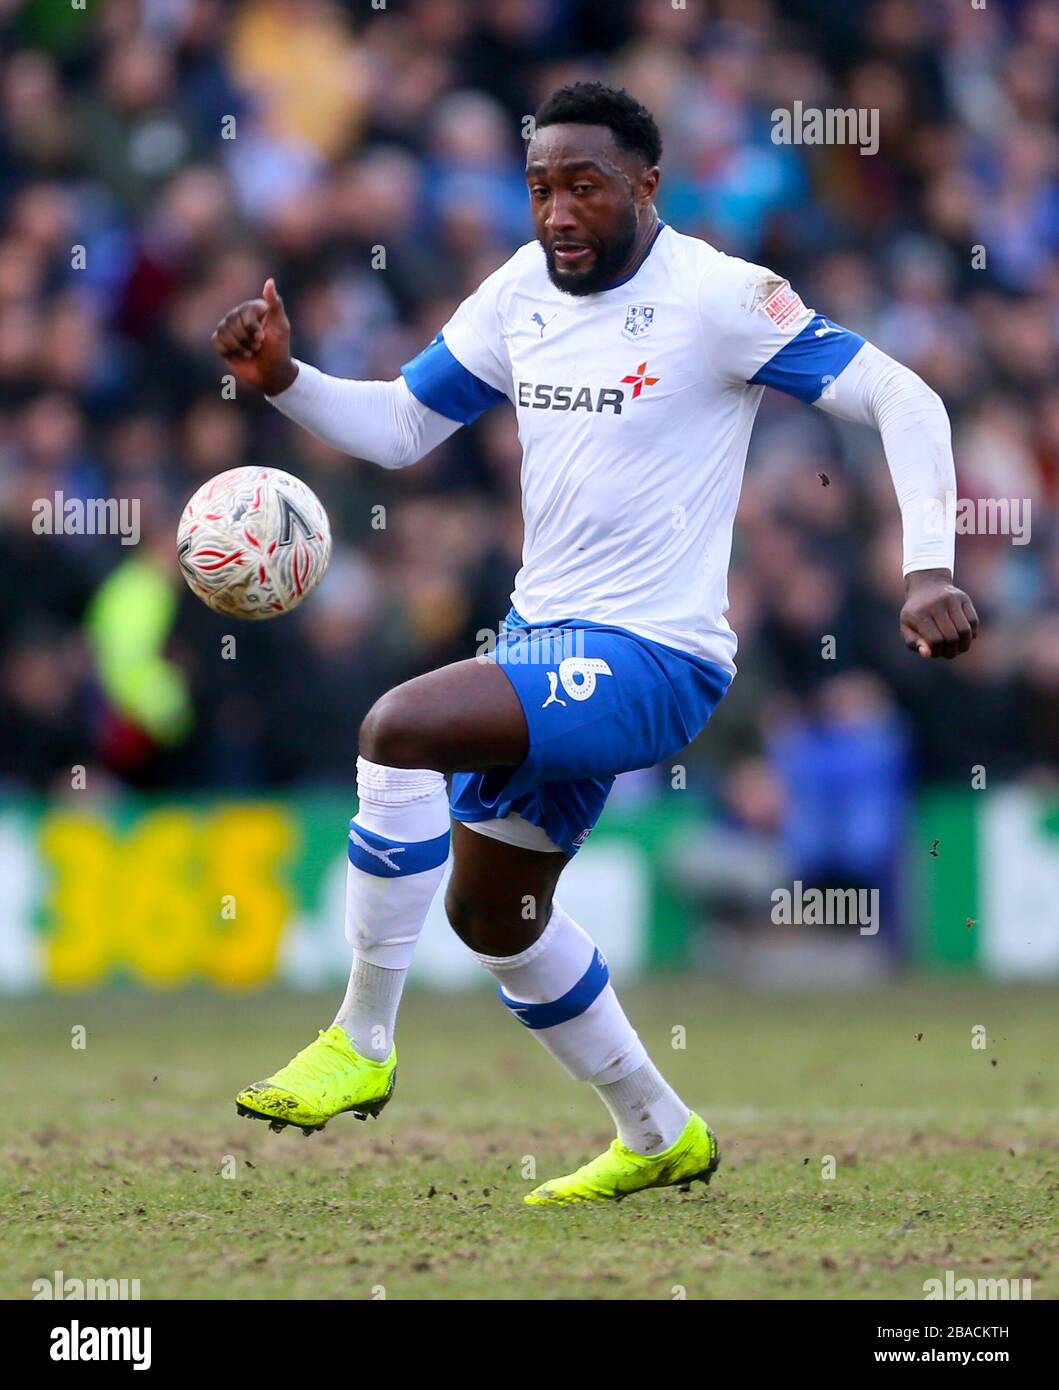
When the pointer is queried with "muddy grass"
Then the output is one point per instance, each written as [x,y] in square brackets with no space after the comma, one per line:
[127,1160]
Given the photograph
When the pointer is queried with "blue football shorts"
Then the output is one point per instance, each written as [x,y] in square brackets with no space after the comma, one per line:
[598,701]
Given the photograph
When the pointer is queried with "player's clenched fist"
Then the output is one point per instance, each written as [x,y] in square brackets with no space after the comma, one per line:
[938,619]
[254,340]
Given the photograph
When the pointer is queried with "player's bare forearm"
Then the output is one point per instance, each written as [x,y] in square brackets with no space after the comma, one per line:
[937,619]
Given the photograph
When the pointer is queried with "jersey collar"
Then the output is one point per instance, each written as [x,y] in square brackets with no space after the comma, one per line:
[633,273]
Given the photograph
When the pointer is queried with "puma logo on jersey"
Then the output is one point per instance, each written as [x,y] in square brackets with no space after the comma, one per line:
[819,333]
[542,323]
[383,854]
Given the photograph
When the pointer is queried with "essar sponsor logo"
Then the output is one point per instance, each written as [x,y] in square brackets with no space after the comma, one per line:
[541,396]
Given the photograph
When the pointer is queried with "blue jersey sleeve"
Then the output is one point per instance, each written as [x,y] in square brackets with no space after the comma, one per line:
[441,381]
[806,366]
[466,369]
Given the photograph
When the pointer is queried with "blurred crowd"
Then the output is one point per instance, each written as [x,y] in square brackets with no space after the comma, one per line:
[158,160]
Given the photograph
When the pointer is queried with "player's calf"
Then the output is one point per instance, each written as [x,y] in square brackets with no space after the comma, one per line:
[557,984]
[397,846]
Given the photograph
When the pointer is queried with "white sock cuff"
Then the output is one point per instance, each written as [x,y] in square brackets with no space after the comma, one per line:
[628,1058]
[395,954]
[556,922]
[592,1040]
[396,786]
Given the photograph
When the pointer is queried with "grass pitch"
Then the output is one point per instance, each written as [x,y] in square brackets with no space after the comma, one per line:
[113,1157]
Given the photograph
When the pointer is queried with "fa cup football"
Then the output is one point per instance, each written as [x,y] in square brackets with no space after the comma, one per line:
[253,542]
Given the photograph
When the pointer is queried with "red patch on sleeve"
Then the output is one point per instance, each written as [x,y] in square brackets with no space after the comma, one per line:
[783,306]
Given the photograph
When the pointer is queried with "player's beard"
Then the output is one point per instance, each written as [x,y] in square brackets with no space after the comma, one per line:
[611,257]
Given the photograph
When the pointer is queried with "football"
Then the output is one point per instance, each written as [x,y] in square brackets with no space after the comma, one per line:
[253,542]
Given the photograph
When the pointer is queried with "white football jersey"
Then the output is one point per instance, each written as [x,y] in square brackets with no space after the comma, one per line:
[634,407]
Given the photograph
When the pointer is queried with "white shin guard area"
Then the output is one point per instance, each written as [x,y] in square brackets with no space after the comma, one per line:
[559,988]
[397,849]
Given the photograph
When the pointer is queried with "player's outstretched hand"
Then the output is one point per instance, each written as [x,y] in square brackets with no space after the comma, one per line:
[254,340]
[937,619]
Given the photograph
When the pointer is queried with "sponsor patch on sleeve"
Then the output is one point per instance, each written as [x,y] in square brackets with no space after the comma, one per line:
[783,306]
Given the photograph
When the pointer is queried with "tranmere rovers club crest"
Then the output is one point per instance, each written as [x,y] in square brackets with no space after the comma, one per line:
[638,320]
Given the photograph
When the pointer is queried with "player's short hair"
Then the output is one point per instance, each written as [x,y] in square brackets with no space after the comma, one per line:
[594,103]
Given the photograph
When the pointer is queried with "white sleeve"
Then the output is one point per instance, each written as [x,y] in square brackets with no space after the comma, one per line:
[748,315]
[917,441]
[758,332]
[381,421]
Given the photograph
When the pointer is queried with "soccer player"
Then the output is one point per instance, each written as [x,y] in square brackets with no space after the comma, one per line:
[635,358]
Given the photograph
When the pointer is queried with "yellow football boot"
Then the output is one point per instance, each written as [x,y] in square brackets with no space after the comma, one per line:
[325,1079]
[619,1171]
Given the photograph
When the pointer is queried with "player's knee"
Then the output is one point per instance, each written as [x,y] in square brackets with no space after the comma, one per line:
[392,733]
[487,931]
[475,925]
[464,919]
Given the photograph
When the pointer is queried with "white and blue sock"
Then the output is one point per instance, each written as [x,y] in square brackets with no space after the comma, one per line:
[560,989]
[397,848]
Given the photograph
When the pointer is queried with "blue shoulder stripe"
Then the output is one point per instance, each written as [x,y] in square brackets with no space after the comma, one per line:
[436,378]
[807,364]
